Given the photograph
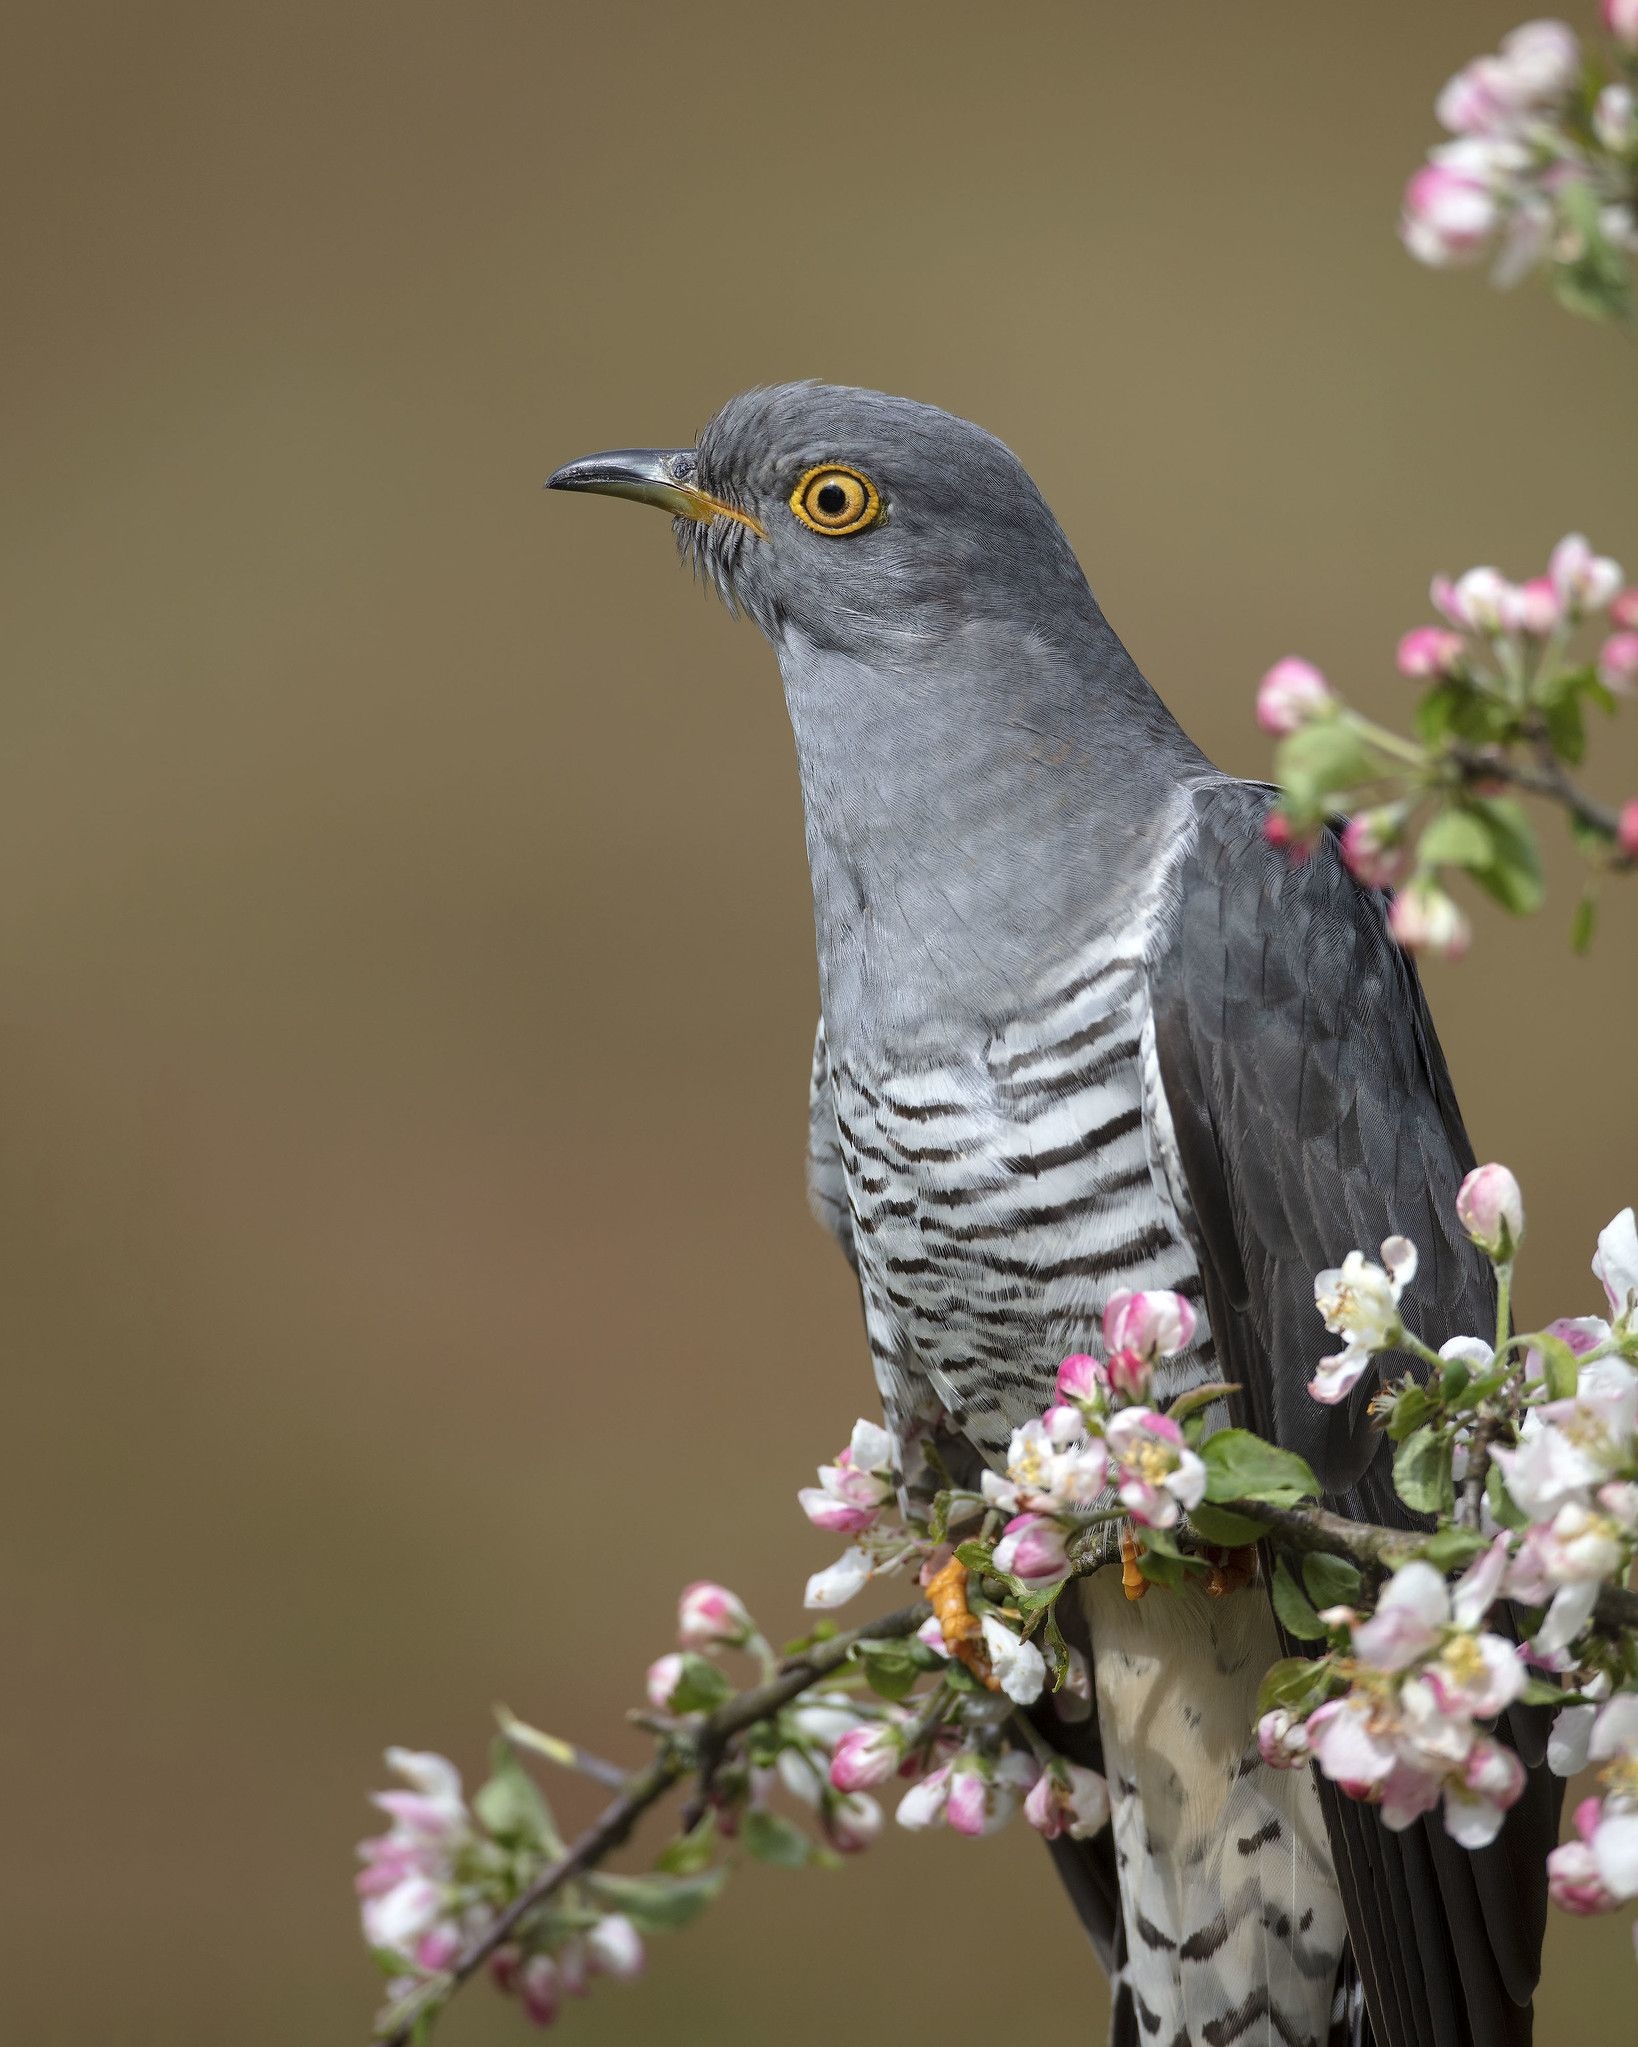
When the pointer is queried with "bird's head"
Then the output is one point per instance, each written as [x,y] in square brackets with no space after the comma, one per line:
[866,525]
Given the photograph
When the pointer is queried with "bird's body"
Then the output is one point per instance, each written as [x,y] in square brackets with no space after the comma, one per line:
[1084,1030]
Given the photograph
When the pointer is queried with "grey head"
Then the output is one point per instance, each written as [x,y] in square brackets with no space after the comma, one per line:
[985,774]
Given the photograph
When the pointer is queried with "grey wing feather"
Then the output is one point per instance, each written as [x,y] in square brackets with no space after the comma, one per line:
[827,1180]
[1314,1113]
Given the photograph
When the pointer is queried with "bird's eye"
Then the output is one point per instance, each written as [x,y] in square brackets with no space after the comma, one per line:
[836,501]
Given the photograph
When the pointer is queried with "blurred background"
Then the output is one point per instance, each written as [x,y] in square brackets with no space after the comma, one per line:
[406,980]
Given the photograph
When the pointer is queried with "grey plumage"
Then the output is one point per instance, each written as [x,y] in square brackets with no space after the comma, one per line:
[1082,1030]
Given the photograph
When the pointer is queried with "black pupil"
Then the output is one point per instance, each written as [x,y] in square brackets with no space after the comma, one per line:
[832,500]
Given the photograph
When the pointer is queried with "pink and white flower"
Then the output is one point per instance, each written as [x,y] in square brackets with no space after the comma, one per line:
[1068,1799]
[664,1676]
[1053,1466]
[851,1824]
[1282,1740]
[1490,1208]
[1585,581]
[1373,846]
[1019,1667]
[985,1795]
[1293,693]
[852,1492]
[709,1616]
[1154,1324]
[1425,919]
[867,1755]
[1158,1475]
[1620,17]
[1359,1301]
[1618,663]
[838,1582]
[1430,650]
[614,1948]
[1032,1548]
[1616,1265]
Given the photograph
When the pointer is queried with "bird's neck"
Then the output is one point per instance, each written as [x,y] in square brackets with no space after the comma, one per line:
[976,809]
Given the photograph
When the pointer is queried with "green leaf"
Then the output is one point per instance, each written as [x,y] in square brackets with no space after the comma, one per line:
[690,1852]
[659,1904]
[1413,1405]
[1241,1466]
[773,1839]
[1447,1549]
[701,1688]
[1584,921]
[1291,1605]
[1537,1692]
[1560,1365]
[891,1668]
[977,1556]
[512,1806]
[1566,728]
[1161,1569]
[1320,759]
[1228,1531]
[1295,1682]
[1513,876]
[1330,1581]
[1199,1397]
[1421,1473]
[1456,838]
[1500,1501]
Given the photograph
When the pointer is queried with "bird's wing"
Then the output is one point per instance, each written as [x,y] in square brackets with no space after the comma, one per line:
[827,1179]
[1313,1114]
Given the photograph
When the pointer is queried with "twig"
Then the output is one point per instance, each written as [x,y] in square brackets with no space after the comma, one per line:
[675,1761]
[1548,779]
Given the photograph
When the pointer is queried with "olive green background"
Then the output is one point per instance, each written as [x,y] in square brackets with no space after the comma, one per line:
[406,978]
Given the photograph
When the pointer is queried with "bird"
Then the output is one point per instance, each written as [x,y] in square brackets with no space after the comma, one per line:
[1084,1028]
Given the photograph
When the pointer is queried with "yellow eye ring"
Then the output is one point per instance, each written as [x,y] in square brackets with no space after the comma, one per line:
[836,501]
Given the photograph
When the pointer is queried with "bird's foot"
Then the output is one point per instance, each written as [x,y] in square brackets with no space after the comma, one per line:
[958,1624]
[1132,1581]
[1231,1569]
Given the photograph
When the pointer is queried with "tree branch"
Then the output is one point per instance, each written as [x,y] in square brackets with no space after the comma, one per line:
[679,1756]
[1548,779]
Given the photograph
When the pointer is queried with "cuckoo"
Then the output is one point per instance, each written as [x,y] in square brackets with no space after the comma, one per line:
[1082,1029]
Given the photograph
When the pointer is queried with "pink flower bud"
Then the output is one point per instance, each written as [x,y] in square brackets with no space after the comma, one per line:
[709,1614]
[852,1823]
[504,1965]
[1282,1740]
[1535,608]
[1626,831]
[540,1989]
[1624,611]
[1573,1881]
[1079,1378]
[614,1947]
[1621,19]
[1155,1324]
[1128,1372]
[664,1676]
[1068,1799]
[437,1948]
[1584,581]
[1032,1548]
[1372,847]
[1429,650]
[866,1756]
[1541,61]
[1425,919]
[836,1517]
[1293,693]
[1449,215]
[1618,663]
[1490,1208]
[966,1810]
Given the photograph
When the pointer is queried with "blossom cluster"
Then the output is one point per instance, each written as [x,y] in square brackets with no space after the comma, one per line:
[1541,173]
[1500,671]
[1540,1430]
[436,1880]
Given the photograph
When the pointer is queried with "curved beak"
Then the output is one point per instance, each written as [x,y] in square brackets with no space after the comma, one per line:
[653,476]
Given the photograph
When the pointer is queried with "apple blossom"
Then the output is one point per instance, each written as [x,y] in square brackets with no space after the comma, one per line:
[1626,831]
[1584,581]
[867,1755]
[1373,848]
[1032,1548]
[851,1824]
[540,1989]
[1154,1324]
[1159,1476]
[1430,650]
[1282,1740]
[838,1582]
[1615,120]
[924,1803]
[1618,663]
[1490,1208]
[1410,1618]
[1616,1265]
[614,1947]
[664,1676]
[1450,211]
[1292,693]
[1018,1665]
[1573,1881]
[710,1616]
[1425,919]
[1359,1302]
[1068,1799]
[1620,17]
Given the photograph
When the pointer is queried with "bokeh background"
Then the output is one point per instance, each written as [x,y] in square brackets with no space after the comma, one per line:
[406,981]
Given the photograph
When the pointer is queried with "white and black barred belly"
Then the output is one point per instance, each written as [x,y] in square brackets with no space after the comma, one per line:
[994,1193]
